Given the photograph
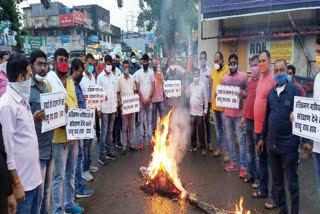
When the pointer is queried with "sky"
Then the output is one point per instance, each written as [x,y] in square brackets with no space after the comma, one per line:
[118,17]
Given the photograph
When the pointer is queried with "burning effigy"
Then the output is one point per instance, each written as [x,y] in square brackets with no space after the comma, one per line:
[162,173]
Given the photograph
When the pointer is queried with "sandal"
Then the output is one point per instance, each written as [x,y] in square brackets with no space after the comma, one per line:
[270,205]
[255,185]
[258,194]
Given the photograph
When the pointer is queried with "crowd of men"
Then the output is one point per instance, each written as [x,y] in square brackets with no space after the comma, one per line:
[43,170]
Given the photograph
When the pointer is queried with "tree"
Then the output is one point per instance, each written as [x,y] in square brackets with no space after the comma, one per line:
[171,21]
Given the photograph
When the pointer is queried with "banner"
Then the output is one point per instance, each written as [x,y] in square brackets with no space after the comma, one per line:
[96,97]
[281,49]
[66,20]
[227,96]
[218,9]
[54,106]
[130,104]
[172,88]
[80,124]
[34,43]
[78,17]
[306,118]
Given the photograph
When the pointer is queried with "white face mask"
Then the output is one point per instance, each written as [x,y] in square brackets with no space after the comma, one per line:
[196,79]
[133,60]
[216,66]
[40,78]
[23,88]
[203,62]
[108,68]
[3,67]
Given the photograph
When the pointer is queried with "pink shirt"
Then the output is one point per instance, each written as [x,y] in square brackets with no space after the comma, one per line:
[251,95]
[20,138]
[158,88]
[238,79]
[3,82]
[265,84]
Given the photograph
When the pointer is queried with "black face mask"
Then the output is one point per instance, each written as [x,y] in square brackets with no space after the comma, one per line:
[113,66]
[145,66]
[154,68]
[79,78]
[117,64]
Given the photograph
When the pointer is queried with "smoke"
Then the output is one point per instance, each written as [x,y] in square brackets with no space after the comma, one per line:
[180,132]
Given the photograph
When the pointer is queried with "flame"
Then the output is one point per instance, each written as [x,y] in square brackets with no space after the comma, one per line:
[162,160]
[240,210]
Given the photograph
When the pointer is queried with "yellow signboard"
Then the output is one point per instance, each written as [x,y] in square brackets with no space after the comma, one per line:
[281,49]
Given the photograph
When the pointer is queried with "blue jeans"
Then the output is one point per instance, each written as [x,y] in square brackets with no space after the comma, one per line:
[251,146]
[117,127]
[285,165]
[158,106]
[219,124]
[208,126]
[65,159]
[128,127]
[86,155]
[145,111]
[316,157]
[80,185]
[107,122]
[233,126]
[31,203]
[45,187]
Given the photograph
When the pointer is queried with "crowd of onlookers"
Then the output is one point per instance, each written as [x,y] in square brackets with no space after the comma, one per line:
[43,171]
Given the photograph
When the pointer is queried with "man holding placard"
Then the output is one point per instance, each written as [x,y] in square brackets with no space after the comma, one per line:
[145,88]
[107,111]
[127,87]
[38,60]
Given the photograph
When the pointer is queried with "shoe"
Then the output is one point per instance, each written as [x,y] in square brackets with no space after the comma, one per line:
[226,157]
[103,161]
[270,205]
[119,145]
[230,167]
[193,149]
[217,153]
[111,156]
[85,193]
[123,151]
[204,153]
[132,148]
[255,185]
[140,146]
[87,176]
[74,210]
[210,147]
[243,173]
[94,169]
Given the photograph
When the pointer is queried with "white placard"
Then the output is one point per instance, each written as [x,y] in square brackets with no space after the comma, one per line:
[130,104]
[172,88]
[54,106]
[80,124]
[227,96]
[306,118]
[96,97]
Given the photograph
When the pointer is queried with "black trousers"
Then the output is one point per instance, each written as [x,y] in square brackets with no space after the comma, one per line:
[3,203]
[197,131]
[97,126]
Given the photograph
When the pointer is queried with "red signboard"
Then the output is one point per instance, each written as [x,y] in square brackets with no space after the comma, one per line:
[66,20]
[78,17]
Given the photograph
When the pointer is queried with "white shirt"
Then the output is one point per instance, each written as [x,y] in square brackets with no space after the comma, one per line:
[20,139]
[316,95]
[117,73]
[145,79]
[198,98]
[109,84]
[86,82]
[280,89]
[204,77]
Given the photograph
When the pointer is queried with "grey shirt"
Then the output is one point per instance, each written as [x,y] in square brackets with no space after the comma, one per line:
[44,139]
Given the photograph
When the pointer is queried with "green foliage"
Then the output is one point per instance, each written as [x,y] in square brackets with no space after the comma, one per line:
[8,11]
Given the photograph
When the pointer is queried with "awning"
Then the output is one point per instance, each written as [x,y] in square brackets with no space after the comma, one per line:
[222,9]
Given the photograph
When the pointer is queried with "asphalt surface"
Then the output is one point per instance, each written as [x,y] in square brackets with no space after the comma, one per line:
[117,186]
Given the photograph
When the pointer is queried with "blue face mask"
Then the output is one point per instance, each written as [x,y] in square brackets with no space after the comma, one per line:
[289,78]
[90,69]
[281,79]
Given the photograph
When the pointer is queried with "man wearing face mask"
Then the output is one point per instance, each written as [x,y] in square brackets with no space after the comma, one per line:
[204,77]
[88,77]
[38,60]
[198,99]
[3,76]
[233,118]
[291,71]
[19,136]
[248,119]
[282,145]
[127,87]
[133,64]
[216,76]
[145,87]
[65,151]
[265,84]
[118,63]
[107,111]
[76,73]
